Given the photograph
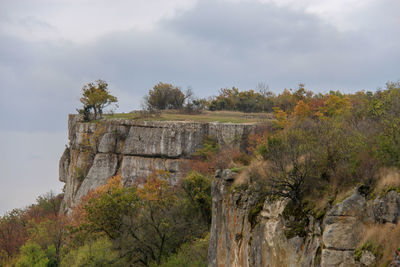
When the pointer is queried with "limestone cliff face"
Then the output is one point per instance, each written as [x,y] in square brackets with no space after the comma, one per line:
[97,151]
[331,242]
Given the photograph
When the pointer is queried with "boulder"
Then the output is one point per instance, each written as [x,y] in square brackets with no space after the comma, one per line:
[367,258]
[387,208]
[336,258]
[342,233]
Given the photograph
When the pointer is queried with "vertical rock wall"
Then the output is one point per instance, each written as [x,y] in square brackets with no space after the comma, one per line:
[236,239]
[97,151]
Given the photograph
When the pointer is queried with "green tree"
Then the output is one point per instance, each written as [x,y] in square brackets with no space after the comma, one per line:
[385,110]
[106,210]
[165,96]
[198,191]
[49,233]
[95,97]
[191,254]
[145,224]
[245,101]
[94,253]
[32,255]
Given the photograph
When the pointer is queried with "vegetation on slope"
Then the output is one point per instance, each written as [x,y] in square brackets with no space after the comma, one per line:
[325,145]
[114,226]
[317,147]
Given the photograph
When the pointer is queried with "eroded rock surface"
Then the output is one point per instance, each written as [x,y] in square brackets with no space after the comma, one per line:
[343,227]
[97,151]
[387,208]
[238,240]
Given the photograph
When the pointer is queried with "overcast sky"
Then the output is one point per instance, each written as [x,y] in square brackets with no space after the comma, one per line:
[50,48]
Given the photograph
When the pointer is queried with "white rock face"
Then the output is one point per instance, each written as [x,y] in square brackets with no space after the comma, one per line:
[107,143]
[104,166]
[134,168]
[134,149]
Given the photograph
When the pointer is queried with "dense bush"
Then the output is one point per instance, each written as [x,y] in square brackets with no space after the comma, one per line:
[165,96]
[191,254]
[147,224]
[328,143]
[245,101]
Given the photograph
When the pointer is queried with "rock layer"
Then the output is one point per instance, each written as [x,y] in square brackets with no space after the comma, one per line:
[99,150]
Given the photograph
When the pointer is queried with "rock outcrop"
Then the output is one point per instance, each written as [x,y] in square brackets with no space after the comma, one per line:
[237,241]
[99,150]
[248,230]
[343,226]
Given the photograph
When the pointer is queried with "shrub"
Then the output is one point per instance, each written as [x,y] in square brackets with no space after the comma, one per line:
[254,212]
[191,254]
[241,158]
[164,96]
[93,253]
[32,255]
[80,174]
[95,97]
[198,191]
[370,246]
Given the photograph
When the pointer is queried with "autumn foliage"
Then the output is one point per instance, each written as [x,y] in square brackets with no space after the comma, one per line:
[317,147]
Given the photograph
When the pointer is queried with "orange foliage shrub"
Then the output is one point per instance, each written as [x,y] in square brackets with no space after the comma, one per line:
[281,117]
[220,160]
[302,110]
[255,139]
[79,215]
[156,188]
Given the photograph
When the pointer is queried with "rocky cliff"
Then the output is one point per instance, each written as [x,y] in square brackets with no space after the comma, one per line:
[247,231]
[98,150]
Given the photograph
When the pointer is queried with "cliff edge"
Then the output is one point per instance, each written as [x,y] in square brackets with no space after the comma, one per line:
[134,148]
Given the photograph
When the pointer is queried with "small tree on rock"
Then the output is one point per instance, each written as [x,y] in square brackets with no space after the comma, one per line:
[95,98]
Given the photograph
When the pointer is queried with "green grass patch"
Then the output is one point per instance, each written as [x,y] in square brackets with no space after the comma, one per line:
[253,214]
[370,246]
[238,169]
[206,116]
[80,173]
[385,191]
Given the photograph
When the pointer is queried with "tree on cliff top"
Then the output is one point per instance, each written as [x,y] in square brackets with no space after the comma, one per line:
[95,97]
[165,96]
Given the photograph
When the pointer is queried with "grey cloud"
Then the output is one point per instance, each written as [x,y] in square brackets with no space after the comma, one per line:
[290,44]
[251,25]
[213,45]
